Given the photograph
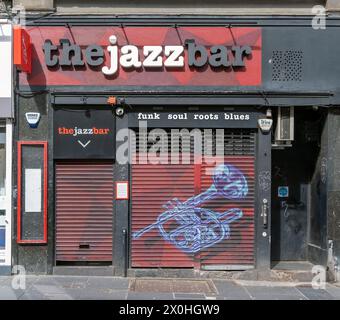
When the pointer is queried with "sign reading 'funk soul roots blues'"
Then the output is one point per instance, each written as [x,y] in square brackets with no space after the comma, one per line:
[198,119]
[145,56]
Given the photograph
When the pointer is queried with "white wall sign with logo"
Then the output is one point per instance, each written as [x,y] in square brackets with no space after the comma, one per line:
[122,190]
[265,124]
[33,119]
[33,190]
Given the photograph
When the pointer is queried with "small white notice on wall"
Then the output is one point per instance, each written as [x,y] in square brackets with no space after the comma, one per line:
[122,190]
[33,190]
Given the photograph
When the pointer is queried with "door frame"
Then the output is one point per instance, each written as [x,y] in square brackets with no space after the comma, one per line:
[263,192]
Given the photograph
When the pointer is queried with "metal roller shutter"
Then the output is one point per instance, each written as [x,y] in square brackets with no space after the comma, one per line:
[235,251]
[212,230]
[153,186]
[84,207]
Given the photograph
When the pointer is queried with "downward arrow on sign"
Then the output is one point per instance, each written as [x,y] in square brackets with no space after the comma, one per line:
[84,145]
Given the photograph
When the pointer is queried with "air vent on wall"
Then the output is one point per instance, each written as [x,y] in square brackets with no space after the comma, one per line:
[284,133]
[287,65]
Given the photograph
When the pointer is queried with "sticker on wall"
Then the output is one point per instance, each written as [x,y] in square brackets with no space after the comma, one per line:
[122,190]
[283,192]
[2,237]
[33,119]
[265,180]
[33,190]
[265,124]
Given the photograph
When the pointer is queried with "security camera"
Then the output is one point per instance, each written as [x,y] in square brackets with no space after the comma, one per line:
[119,111]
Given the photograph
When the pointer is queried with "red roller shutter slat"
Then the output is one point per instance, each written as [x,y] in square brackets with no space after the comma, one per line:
[238,249]
[163,181]
[84,207]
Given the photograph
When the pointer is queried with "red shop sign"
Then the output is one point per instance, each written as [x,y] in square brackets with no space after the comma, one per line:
[22,49]
[145,56]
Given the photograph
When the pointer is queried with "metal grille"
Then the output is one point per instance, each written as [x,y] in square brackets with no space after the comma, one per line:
[84,206]
[234,142]
[160,227]
[287,65]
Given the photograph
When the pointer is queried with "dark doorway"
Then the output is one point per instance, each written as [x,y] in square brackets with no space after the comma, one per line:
[293,167]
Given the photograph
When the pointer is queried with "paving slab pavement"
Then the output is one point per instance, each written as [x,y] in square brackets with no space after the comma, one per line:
[114,288]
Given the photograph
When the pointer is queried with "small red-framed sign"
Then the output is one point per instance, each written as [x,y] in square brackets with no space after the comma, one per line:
[32,206]
[122,190]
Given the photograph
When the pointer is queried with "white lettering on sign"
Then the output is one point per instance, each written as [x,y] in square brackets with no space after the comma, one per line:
[130,57]
[113,51]
[84,145]
[196,116]
[152,56]
[175,58]
[236,116]
[210,116]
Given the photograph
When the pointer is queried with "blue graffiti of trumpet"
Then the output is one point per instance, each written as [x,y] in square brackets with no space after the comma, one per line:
[192,228]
